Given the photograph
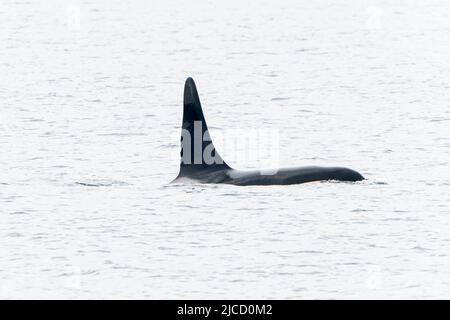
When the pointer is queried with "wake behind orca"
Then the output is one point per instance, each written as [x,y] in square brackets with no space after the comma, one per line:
[201,162]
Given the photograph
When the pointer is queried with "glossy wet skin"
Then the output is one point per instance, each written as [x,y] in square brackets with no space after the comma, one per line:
[285,176]
[294,175]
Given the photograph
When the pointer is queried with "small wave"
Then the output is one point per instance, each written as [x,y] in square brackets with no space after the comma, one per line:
[19,212]
[168,146]
[341,181]
[101,183]
[361,210]
[121,134]
[280,98]
[419,248]
[15,234]
[376,182]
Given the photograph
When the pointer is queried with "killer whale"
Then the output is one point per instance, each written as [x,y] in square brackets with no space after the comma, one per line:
[200,161]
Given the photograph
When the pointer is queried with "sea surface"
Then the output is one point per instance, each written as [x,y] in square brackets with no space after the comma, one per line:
[91,105]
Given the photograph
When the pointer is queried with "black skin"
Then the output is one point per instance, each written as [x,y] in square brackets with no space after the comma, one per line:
[220,172]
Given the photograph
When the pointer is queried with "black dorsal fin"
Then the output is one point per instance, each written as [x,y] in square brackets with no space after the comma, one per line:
[198,153]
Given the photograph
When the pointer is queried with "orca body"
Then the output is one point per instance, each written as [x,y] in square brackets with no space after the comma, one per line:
[200,162]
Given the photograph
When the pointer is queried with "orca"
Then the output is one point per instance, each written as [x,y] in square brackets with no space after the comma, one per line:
[201,163]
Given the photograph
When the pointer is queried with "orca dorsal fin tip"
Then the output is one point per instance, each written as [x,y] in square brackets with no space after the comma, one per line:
[190,92]
[191,101]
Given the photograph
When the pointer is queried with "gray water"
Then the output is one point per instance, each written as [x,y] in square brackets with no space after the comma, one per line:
[91,102]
